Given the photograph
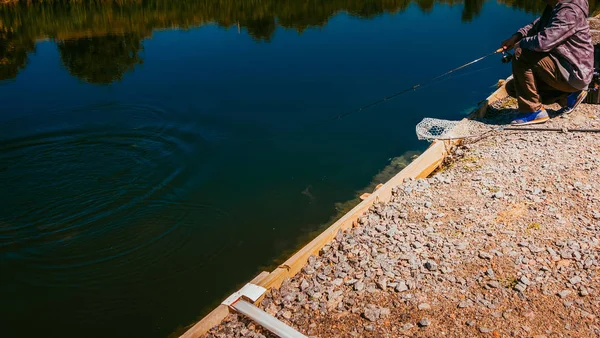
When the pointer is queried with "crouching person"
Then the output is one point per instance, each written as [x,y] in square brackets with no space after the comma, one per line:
[553,60]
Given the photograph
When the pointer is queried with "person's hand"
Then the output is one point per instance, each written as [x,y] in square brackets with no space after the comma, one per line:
[509,43]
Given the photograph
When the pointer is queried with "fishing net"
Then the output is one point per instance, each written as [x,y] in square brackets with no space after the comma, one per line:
[435,129]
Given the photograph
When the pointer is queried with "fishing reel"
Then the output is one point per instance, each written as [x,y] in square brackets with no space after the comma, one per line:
[506,57]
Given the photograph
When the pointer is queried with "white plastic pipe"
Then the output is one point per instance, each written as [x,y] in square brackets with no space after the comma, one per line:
[266,320]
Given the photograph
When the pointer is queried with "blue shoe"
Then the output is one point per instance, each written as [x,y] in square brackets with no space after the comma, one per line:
[574,100]
[539,116]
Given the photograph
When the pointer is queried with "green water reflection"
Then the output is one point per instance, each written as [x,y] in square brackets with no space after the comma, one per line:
[99,41]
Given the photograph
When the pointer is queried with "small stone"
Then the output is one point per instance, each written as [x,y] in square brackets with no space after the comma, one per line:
[431,265]
[564,293]
[370,327]
[407,326]
[424,306]
[382,283]
[393,231]
[525,280]
[417,245]
[490,273]
[309,270]
[371,287]
[494,284]
[484,330]
[371,313]
[463,304]
[287,314]
[575,280]
[520,287]
[351,281]
[470,322]
[424,322]
[304,285]
[583,292]
[484,255]
[401,287]
[359,286]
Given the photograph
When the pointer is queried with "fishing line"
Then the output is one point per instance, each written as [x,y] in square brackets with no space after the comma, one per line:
[415,87]
[440,78]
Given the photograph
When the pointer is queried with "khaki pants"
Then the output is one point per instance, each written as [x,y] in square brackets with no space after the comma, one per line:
[536,81]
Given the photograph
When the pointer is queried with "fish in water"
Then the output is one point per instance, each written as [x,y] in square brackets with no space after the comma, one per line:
[306,192]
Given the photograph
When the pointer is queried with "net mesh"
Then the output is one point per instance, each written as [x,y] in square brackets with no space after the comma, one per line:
[435,129]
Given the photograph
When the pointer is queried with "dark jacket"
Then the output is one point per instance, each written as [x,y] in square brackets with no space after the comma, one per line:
[564,33]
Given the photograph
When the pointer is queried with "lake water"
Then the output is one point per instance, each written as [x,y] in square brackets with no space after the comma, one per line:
[154,155]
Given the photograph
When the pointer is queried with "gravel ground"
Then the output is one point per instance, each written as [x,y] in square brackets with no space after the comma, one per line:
[595,27]
[503,241]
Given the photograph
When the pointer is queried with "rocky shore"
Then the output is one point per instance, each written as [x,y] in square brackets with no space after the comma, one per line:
[504,240]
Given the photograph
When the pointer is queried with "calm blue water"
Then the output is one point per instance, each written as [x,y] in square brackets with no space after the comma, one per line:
[148,172]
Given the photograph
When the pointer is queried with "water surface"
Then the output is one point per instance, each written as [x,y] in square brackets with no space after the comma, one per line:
[156,154]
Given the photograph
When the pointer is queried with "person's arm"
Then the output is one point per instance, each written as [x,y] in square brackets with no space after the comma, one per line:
[560,28]
[512,41]
[531,28]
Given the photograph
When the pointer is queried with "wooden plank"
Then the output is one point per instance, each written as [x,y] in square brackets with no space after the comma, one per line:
[499,94]
[216,316]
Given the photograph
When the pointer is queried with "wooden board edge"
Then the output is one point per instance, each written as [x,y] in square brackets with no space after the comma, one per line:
[216,316]
[499,94]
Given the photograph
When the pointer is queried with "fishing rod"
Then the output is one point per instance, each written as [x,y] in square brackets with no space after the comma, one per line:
[507,57]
